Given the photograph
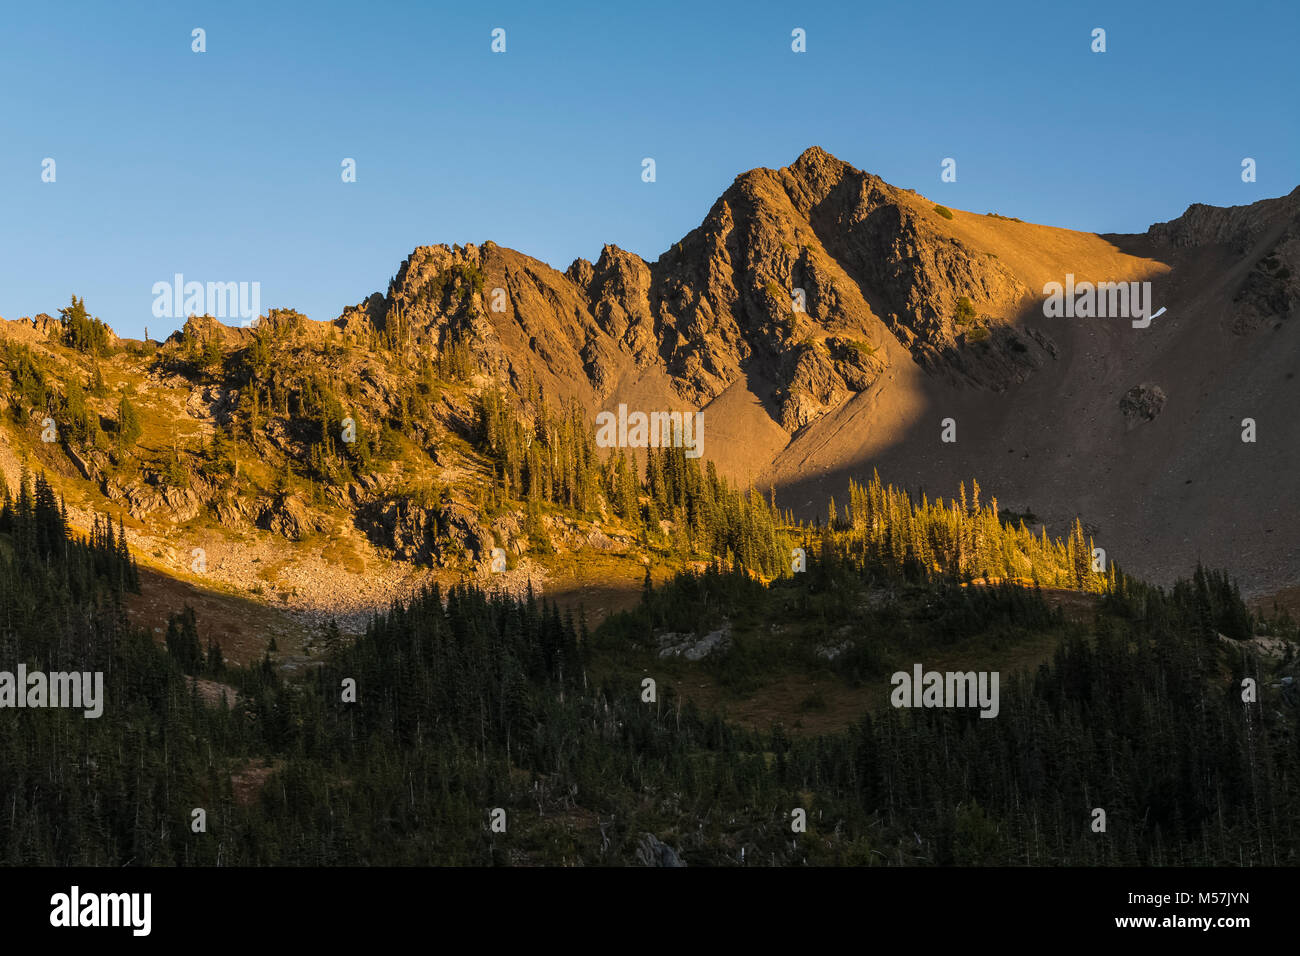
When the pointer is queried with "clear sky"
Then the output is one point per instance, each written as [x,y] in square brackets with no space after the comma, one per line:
[225,165]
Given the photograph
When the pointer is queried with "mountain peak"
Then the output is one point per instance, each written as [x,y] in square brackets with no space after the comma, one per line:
[815,156]
[813,165]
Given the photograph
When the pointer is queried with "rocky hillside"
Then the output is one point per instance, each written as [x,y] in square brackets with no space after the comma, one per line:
[824,321]
[812,279]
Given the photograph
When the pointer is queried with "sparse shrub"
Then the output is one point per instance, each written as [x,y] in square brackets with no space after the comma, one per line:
[943,211]
[965,311]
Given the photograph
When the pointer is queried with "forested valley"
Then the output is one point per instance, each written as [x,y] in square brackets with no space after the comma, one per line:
[406,744]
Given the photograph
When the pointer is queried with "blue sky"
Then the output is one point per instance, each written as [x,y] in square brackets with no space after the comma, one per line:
[225,165]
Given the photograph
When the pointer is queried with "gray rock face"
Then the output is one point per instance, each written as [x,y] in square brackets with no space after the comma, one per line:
[672,644]
[152,495]
[287,516]
[831,651]
[651,851]
[213,401]
[448,535]
[231,512]
[46,326]
[459,527]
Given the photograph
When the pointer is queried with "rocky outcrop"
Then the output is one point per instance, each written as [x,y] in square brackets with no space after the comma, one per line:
[618,289]
[1238,227]
[449,535]
[1267,232]
[151,496]
[651,851]
[82,465]
[692,647]
[796,277]
[1271,290]
[231,511]
[287,516]
[213,402]
[205,328]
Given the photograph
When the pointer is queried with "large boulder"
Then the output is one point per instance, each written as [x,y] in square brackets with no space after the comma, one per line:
[1142,403]
[651,851]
